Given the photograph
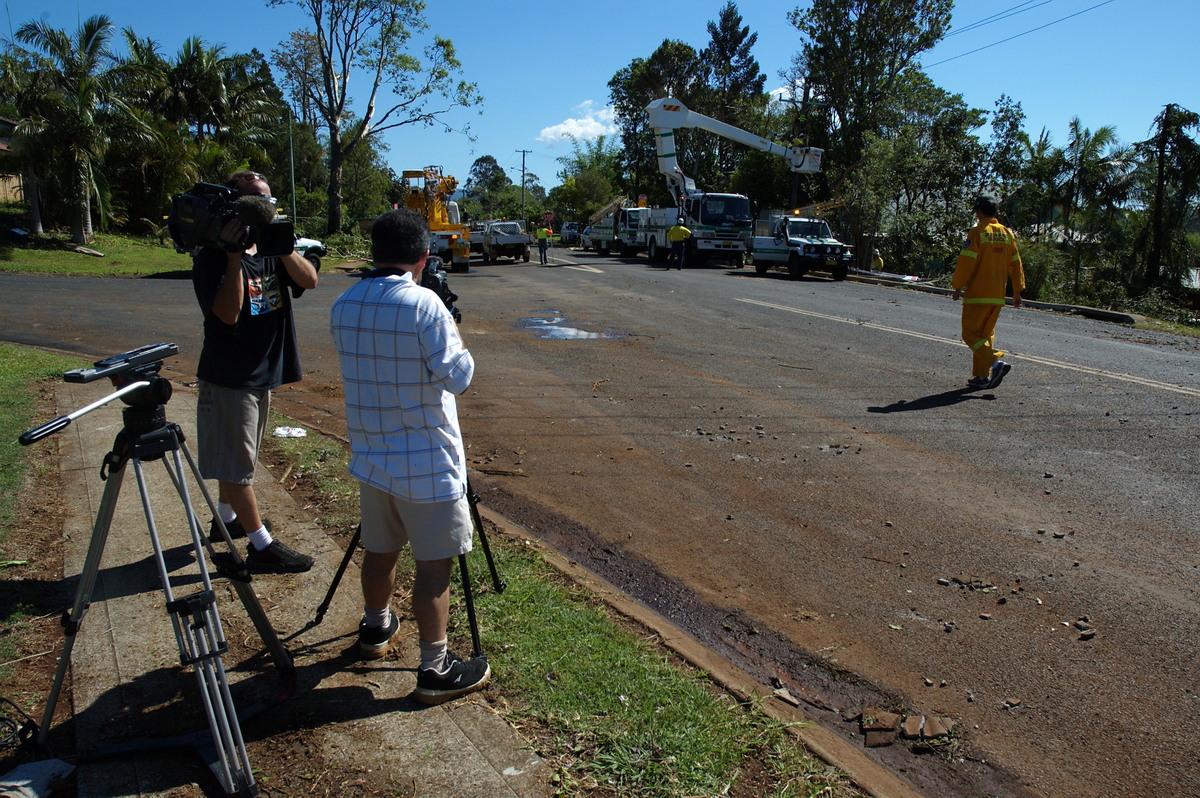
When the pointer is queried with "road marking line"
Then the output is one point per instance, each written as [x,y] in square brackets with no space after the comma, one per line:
[582,268]
[1045,361]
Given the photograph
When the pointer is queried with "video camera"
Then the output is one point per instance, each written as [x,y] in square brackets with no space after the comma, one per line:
[433,277]
[198,216]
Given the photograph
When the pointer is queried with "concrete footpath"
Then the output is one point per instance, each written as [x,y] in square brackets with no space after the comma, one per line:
[352,714]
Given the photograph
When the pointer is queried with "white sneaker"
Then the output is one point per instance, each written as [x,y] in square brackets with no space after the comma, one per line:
[999,370]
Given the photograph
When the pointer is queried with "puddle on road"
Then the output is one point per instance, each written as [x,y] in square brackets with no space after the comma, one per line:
[553,326]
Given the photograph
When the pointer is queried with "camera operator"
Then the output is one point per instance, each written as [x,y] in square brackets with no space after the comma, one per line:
[402,364]
[249,350]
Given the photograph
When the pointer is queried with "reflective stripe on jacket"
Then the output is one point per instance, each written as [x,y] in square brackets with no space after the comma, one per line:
[988,260]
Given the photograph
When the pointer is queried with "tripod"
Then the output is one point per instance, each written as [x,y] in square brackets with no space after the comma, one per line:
[147,436]
[468,593]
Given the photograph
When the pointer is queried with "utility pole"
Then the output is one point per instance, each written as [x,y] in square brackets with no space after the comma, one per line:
[523,154]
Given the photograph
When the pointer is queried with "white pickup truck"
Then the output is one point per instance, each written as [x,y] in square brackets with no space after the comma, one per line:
[504,239]
[799,244]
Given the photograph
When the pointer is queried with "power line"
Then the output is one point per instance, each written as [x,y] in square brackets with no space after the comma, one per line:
[1017,36]
[1020,8]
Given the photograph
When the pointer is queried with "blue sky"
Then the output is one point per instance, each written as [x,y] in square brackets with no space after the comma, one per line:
[543,67]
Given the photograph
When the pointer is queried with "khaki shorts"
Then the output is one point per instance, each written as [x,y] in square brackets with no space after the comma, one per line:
[229,428]
[434,530]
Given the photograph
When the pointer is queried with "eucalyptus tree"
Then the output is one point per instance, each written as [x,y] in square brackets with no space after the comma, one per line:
[1171,177]
[674,69]
[735,89]
[372,39]
[72,112]
[853,55]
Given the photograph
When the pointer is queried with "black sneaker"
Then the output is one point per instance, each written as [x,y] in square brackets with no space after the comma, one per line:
[236,530]
[461,678]
[373,641]
[277,559]
[999,369]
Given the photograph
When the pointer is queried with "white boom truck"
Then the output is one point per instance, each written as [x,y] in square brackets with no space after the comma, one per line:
[721,224]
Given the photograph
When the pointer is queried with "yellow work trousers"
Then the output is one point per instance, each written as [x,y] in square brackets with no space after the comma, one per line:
[978,332]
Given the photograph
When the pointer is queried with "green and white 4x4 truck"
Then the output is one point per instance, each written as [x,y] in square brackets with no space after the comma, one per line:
[799,245]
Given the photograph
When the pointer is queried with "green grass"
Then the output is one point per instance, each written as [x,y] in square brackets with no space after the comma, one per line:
[123,256]
[615,713]
[23,372]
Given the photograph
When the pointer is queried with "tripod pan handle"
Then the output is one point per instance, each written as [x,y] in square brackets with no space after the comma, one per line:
[49,428]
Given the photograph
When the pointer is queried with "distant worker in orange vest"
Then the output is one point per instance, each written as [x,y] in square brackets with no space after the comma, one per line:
[988,259]
[543,239]
[677,237]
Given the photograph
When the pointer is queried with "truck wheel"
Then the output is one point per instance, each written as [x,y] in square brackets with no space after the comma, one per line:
[652,251]
[795,267]
[840,271]
[526,257]
[761,266]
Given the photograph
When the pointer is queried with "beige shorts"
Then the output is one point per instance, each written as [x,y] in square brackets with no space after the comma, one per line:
[230,423]
[434,530]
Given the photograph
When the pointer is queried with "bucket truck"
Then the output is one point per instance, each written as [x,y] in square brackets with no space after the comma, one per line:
[617,227]
[721,224]
[428,192]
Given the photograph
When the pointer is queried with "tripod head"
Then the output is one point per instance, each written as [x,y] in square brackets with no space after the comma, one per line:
[135,375]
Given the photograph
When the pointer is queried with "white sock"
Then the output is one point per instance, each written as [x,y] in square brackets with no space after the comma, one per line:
[226,512]
[433,656]
[377,619]
[260,539]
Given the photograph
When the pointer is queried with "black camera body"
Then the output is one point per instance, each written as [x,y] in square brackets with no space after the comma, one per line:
[433,277]
[198,216]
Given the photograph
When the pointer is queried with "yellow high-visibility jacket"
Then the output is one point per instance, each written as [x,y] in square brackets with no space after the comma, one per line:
[678,233]
[988,260]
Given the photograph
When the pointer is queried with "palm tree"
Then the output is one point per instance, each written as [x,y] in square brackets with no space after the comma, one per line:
[78,75]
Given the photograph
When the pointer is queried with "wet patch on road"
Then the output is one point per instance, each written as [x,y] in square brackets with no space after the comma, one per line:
[552,325]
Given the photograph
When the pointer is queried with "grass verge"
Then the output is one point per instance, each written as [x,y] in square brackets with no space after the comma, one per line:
[24,374]
[616,713]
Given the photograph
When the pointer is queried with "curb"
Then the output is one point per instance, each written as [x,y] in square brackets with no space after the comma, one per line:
[1113,316]
[868,775]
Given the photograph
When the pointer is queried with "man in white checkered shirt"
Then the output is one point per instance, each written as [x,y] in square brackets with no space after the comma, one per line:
[402,363]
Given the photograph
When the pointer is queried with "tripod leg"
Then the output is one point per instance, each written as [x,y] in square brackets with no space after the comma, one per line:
[240,577]
[333,586]
[201,641]
[469,598]
[473,500]
[83,594]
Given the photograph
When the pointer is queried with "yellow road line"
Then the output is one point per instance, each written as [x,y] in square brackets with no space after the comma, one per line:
[1045,361]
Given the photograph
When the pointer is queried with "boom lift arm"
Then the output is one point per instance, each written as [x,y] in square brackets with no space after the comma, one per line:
[668,114]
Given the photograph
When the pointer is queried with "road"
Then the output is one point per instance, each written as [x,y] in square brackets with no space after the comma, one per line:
[791,471]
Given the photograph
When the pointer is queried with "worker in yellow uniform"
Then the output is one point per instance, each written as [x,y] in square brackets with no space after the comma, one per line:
[988,260]
[543,241]
[876,261]
[677,237]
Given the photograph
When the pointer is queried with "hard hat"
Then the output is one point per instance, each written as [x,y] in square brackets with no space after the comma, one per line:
[679,220]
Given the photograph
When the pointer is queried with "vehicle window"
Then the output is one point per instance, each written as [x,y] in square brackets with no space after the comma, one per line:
[719,209]
[808,229]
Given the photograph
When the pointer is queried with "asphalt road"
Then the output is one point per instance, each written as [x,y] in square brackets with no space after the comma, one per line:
[793,472]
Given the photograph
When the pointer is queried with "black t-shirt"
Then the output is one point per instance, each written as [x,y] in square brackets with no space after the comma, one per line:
[259,351]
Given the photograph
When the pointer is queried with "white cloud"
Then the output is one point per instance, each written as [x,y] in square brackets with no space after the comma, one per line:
[590,123]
